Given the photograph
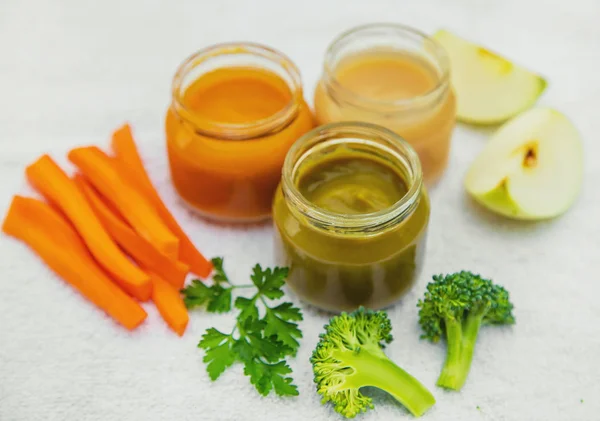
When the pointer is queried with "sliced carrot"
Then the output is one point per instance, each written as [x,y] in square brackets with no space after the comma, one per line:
[140,250]
[47,233]
[135,208]
[51,181]
[169,304]
[131,163]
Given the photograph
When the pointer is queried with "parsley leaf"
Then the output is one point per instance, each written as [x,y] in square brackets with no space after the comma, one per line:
[217,297]
[269,282]
[284,331]
[283,385]
[220,301]
[261,339]
[266,348]
[196,294]
[213,338]
[244,349]
[248,309]
[219,352]
[266,377]
[220,275]
[287,311]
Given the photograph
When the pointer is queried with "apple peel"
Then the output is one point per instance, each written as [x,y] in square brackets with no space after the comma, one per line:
[489,88]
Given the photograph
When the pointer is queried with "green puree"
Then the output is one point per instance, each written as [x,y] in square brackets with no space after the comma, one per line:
[338,270]
[352,185]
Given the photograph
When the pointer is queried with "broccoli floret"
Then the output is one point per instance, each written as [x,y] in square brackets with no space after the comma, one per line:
[350,355]
[456,306]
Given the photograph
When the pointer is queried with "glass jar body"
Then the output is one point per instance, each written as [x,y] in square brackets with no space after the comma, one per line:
[370,74]
[340,261]
[340,273]
[229,180]
[227,165]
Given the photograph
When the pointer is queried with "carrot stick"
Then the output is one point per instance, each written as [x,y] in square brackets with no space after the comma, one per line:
[135,208]
[59,189]
[169,304]
[130,161]
[47,233]
[136,246]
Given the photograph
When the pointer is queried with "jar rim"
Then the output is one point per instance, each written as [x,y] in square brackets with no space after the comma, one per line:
[360,133]
[237,131]
[441,57]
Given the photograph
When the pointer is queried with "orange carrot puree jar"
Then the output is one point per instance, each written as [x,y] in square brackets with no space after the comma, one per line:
[236,110]
[396,77]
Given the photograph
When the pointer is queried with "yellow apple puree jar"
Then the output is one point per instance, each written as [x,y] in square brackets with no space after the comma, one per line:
[351,217]
[235,111]
[396,77]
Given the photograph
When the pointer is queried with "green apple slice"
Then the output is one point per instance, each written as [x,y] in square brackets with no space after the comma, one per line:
[489,89]
[531,168]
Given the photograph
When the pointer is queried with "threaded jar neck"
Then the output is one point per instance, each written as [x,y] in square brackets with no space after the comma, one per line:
[246,55]
[387,38]
[362,139]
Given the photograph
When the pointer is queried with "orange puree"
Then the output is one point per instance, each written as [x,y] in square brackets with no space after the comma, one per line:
[386,76]
[227,136]
[237,95]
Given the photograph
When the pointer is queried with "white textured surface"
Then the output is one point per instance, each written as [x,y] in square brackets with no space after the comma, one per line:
[72,70]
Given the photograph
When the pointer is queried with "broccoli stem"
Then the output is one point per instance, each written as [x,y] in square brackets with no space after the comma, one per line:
[461,344]
[450,372]
[470,332]
[380,372]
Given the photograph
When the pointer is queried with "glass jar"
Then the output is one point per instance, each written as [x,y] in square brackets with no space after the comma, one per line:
[235,111]
[339,261]
[396,77]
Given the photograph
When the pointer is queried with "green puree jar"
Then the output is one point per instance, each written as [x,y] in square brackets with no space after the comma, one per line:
[351,215]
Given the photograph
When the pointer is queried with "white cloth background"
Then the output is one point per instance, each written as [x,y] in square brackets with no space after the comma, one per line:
[71,71]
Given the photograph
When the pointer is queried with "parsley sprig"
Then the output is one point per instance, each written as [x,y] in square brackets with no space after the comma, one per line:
[260,339]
